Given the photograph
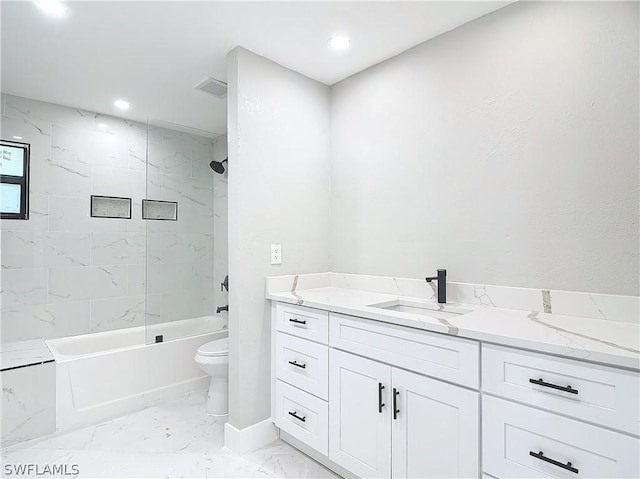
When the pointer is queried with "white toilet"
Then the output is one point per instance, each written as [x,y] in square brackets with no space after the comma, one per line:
[213,358]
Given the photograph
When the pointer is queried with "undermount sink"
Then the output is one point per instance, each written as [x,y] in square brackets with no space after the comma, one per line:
[435,310]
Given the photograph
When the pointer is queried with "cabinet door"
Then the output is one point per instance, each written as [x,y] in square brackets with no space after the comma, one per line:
[359,414]
[435,428]
[522,442]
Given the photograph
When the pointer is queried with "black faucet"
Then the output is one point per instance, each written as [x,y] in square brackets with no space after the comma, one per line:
[219,309]
[442,284]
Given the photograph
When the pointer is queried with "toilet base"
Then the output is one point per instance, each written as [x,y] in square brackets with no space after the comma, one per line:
[218,397]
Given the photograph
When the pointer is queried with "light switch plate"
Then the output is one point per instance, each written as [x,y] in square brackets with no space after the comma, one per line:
[276,254]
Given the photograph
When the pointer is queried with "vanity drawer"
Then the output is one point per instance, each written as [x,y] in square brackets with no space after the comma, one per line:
[513,435]
[303,416]
[303,322]
[436,355]
[303,364]
[598,394]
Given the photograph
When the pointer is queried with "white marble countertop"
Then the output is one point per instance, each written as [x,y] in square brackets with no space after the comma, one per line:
[614,343]
[24,353]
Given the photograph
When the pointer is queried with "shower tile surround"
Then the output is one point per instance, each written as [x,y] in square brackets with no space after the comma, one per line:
[65,273]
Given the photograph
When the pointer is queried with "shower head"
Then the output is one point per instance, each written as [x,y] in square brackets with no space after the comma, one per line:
[218,166]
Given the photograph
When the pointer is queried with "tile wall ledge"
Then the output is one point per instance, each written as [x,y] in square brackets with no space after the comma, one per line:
[24,353]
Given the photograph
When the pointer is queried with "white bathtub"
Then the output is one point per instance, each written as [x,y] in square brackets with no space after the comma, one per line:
[104,375]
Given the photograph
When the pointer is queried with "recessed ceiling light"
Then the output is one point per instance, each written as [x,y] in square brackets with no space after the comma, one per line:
[122,104]
[52,7]
[17,137]
[339,42]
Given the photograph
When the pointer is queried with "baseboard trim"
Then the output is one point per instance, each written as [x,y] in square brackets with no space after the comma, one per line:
[316,456]
[243,441]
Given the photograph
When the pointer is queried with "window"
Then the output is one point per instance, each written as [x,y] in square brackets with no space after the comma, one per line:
[14,180]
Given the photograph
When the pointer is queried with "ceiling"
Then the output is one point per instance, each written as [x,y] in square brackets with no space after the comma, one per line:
[153,53]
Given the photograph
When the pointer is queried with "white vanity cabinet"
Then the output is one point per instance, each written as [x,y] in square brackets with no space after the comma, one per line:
[568,423]
[356,391]
[385,421]
[301,362]
[383,400]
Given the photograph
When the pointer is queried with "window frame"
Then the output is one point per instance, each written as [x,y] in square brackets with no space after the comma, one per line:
[23,181]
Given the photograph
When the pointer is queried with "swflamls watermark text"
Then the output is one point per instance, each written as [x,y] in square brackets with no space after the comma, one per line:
[41,469]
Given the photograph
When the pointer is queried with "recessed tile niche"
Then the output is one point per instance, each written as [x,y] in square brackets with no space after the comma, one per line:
[110,207]
[159,210]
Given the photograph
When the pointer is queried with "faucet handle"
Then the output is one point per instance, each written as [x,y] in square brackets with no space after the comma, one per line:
[442,284]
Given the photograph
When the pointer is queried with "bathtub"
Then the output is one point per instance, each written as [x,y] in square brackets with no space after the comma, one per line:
[109,374]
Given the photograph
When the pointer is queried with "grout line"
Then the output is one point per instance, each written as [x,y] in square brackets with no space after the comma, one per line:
[30,364]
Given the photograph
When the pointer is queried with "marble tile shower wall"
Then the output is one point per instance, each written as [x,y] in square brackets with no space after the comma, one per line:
[180,269]
[65,273]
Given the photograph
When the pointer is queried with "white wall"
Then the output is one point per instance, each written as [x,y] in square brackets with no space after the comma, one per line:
[278,193]
[505,151]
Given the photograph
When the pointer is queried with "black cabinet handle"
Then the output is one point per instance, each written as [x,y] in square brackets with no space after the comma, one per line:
[380,403]
[395,403]
[542,457]
[298,365]
[296,320]
[567,389]
[293,413]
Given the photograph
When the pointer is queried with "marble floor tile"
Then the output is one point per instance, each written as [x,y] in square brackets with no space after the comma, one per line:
[257,465]
[170,439]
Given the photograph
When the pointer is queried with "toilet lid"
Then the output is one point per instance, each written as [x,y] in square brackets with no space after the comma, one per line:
[219,347]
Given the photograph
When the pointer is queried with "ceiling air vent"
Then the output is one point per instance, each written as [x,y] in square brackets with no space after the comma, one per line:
[213,87]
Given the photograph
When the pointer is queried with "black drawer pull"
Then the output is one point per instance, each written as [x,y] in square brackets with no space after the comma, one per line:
[296,320]
[380,403]
[298,365]
[395,403]
[541,456]
[293,413]
[567,389]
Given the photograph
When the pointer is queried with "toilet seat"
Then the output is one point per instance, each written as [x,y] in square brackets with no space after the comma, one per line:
[219,347]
